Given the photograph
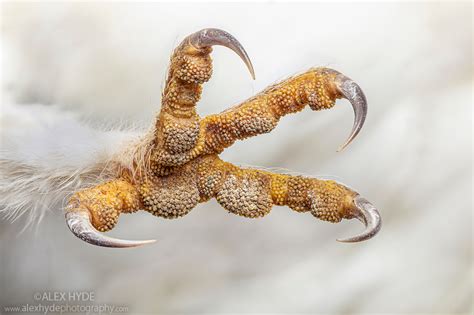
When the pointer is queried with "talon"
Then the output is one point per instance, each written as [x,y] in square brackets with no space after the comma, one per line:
[80,225]
[352,92]
[213,36]
[365,212]
[182,153]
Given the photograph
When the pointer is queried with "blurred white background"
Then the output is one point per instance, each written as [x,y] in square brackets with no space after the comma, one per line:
[106,64]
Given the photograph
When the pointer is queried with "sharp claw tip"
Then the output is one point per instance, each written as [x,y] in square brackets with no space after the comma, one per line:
[250,68]
[80,225]
[341,148]
[145,242]
[343,240]
[350,240]
[369,216]
[344,146]
[141,243]
[352,92]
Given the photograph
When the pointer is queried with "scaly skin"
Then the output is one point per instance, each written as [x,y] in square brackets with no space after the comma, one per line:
[105,202]
[185,168]
[247,192]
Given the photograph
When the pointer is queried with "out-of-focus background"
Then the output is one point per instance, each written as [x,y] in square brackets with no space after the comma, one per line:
[105,64]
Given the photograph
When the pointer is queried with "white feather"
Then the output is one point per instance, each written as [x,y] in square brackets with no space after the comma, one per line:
[46,154]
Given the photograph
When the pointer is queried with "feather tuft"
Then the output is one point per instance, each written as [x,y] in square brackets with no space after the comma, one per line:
[46,154]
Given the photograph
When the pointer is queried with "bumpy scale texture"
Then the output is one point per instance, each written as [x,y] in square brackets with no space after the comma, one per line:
[185,168]
[105,202]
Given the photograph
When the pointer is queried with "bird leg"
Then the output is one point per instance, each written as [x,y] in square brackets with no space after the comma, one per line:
[97,209]
[191,66]
[177,129]
[184,168]
[318,88]
[252,193]
[246,192]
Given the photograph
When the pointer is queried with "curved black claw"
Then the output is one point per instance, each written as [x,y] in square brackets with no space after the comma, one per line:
[80,225]
[365,212]
[353,93]
[213,36]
